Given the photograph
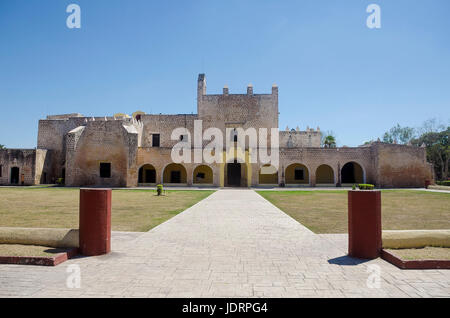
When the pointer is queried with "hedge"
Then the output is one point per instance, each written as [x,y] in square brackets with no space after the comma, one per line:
[364,186]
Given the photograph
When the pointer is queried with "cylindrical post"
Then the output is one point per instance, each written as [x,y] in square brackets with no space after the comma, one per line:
[95,221]
[364,224]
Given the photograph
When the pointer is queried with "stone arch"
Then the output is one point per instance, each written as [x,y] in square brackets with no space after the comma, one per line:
[352,172]
[147,174]
[297,173]
[268,174]
[324,174]
[174,173]
[202,174]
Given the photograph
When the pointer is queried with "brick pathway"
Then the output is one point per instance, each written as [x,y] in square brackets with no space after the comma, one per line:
[232,244]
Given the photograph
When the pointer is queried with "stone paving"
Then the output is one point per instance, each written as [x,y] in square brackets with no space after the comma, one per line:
[232,244]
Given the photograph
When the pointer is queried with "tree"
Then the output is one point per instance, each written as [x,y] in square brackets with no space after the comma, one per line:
[2,147]
[438,151]
[398,134]
[328,140]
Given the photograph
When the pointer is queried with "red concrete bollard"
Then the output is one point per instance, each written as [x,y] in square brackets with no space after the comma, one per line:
[95,221]
[364,224]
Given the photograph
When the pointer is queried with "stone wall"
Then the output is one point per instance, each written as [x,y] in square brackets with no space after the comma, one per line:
[102,142]
[24,160]
[401,166]
[296,139]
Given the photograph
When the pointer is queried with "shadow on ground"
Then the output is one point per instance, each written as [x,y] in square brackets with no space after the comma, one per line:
[347,261]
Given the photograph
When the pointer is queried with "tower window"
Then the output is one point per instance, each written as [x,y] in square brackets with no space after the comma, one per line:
[155,140]
[105,170]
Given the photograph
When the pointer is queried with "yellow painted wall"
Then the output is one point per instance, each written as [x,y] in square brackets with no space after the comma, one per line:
[208,175]
[324,174]
[290,174]
[174,167]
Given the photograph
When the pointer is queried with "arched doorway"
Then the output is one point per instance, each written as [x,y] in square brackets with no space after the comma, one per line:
[174,173]
[15,175]
[324,175]
[352,173]
[297,173]
[268,174]
[203,175]
[147,174]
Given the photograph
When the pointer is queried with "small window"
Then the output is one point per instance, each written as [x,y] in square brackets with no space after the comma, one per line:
[155,140]
[105,170]
[299,175]
[1,168]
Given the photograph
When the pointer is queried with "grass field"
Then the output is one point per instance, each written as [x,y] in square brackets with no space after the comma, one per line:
[326,211]
[132,210]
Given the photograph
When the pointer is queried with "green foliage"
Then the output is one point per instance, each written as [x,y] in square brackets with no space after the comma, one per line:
[354,187]
[159,189]
[364,186]
[328,139]
[443,183]
[438,151]
[398,134]
[60,181]
[2,147]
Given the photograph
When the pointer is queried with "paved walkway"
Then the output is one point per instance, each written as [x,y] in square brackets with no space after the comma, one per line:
[232,244]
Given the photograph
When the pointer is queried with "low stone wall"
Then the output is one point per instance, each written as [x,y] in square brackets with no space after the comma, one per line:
[416,239]
[39,236]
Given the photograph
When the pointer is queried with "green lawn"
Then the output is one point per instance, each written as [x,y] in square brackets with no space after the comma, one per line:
[326,211]
[132,210]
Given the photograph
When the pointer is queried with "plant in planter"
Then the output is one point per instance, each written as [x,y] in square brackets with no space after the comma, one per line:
[159,189]
[354,187]
[364,186]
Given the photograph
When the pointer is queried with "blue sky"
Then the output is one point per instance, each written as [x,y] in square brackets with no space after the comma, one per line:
[332,71]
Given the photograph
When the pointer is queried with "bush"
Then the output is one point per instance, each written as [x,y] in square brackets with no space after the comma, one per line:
[159,189]
[60,181]
[354,187]
[443,183]
[364,186]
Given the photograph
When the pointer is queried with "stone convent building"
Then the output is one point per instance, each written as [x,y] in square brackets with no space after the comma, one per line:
[130,151]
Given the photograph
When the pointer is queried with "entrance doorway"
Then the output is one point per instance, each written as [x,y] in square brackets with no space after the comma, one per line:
[234,174]
[14,175]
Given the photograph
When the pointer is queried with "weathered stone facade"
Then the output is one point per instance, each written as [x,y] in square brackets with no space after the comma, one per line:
[124,151]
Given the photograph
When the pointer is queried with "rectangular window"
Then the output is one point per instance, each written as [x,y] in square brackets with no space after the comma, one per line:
[1,169]
[155,140]
[105,170]
[299,174]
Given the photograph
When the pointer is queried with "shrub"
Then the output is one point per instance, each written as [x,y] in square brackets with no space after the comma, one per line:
[443,183]
[364,186]
[354,187]
[60,181]
[159,189]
